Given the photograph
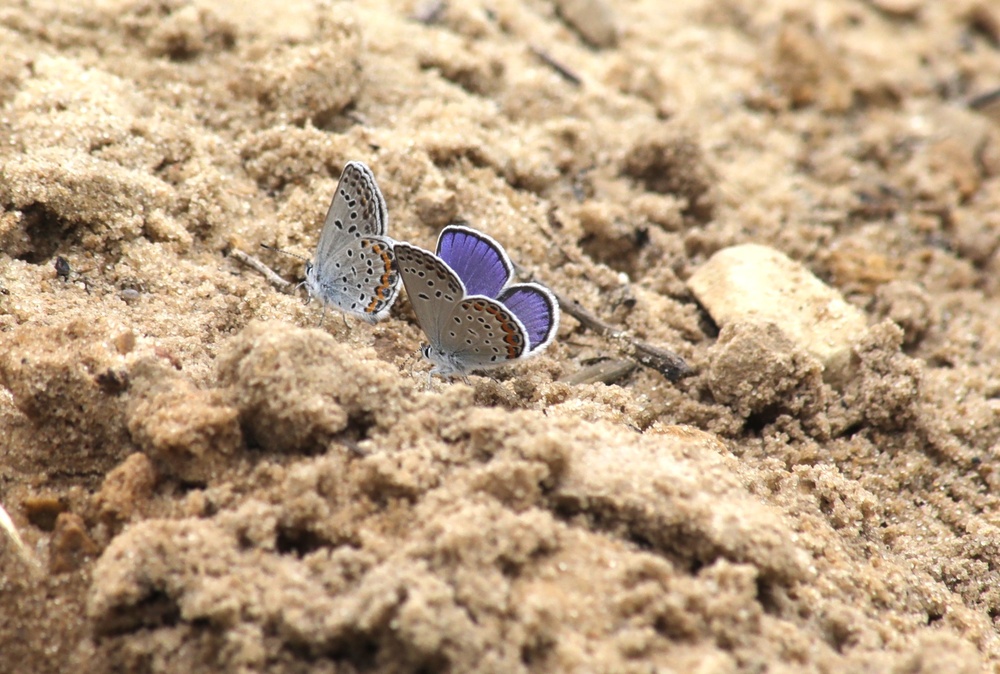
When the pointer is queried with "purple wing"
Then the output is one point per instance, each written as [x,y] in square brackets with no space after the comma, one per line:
[478,260]
[537,310]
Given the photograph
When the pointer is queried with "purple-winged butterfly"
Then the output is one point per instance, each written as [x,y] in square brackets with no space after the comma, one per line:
[472,316]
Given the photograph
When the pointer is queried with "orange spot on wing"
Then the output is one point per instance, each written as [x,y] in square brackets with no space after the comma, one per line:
[510,333]
[385,283]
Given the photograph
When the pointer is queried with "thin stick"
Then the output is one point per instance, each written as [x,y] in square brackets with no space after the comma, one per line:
[563,71]
[664,361]
[249,260]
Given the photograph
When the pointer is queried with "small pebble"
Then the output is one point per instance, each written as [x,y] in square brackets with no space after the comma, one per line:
[62,268]
[42,511]
[130,295]
[984,17]
[593,20]
[899,9]
[608,371]
[126,489]
[125,342]
[71,544]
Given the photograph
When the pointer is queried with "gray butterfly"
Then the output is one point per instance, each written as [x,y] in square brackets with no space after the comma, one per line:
[353,268]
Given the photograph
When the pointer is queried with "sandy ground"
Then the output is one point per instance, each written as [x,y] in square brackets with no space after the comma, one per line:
[206,481]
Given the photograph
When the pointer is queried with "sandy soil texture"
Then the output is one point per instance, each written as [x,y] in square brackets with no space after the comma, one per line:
[207,480]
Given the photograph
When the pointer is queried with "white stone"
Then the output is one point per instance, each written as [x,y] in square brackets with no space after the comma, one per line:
[755,283]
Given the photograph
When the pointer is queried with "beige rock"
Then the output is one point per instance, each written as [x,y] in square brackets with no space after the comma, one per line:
[71,544]
[754,283]
[653,493]
[594,20]
[335,386]
[126,489]
[899,9]
[65,380]
[302,82]
[436,207]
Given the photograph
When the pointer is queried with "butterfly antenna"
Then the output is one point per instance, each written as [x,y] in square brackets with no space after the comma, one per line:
[283,252]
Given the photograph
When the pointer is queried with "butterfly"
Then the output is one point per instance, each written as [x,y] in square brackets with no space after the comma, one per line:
[472,316]
[353,268]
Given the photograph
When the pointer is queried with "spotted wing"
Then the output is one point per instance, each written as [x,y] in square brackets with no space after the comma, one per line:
[472,332]
[362,281]
[357,208]
[479,261]
[434,289]
[537,309]
[480,333]
[353,268]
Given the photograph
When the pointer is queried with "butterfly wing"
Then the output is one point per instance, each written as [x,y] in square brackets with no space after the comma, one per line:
[432,287]
[357,208]
[362,282]
[353,265]
[481,333]
[537,309]
[465,332]
[479,261]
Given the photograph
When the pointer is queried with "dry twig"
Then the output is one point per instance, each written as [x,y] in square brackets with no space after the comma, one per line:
[664,361]
[249,260]
[551,62]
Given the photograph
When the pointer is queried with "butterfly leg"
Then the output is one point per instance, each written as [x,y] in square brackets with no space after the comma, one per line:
[309,297]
